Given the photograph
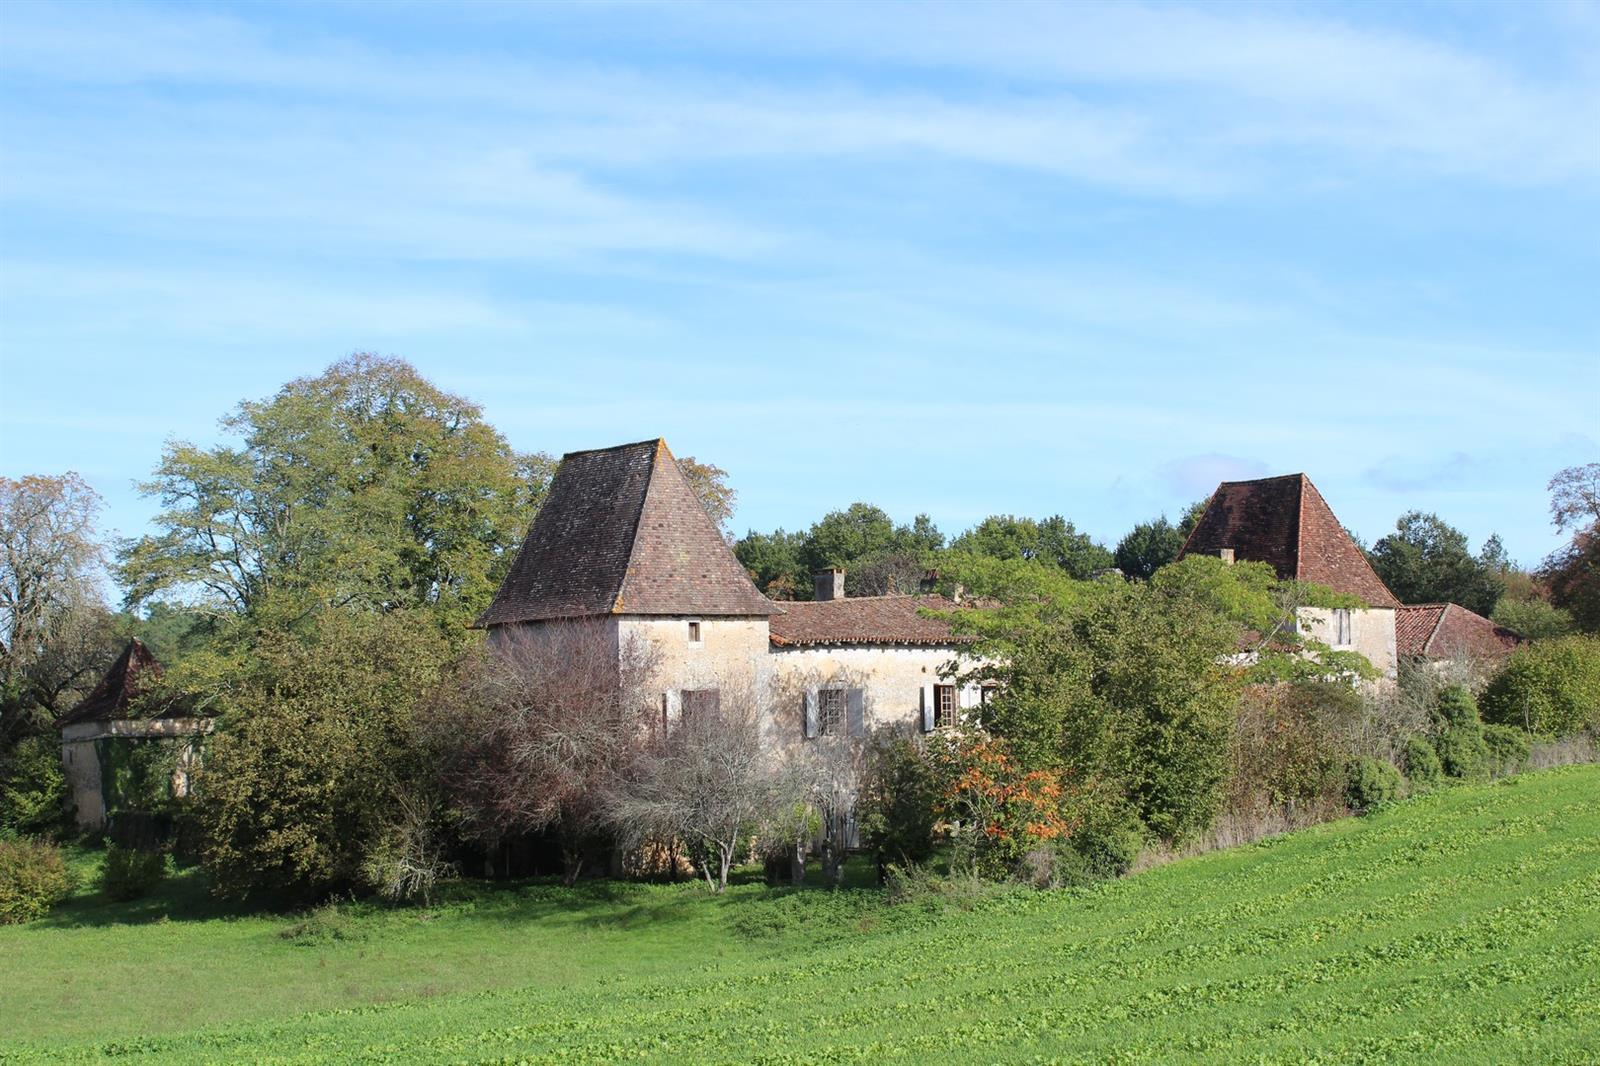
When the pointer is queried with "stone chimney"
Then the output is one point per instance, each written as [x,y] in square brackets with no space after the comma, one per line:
[829,584]
[1226,555]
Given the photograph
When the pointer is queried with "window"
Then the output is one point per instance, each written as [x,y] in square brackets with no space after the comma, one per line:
[694,632]
[701,700]
[946,708]
[1341,627]
[987,692]
[830,711]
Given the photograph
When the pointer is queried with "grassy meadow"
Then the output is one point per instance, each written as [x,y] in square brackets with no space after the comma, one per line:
[1461,926]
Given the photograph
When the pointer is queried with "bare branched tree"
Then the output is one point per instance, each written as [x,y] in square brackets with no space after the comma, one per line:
[533,733]
[49,561]
[706,779]
[832,765]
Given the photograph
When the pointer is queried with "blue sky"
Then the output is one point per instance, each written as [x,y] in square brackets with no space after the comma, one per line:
[964,259]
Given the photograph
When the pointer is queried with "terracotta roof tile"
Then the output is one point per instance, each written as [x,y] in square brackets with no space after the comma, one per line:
[1449,631]
[864,620]
[621,532]
[1285,521]
[135,672]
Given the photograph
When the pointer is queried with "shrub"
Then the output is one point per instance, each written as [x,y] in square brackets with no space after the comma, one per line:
[1370,784]
[299,781]
[1461,748]
[1550,688]
[1463,753]
[896,808]
[1108,842]
[1423,768]
[326,924]
[1001,810]
[407,863]
[33,878]
[1508,748]
[1284,745]
[33,790]
[961,890]
[130,873]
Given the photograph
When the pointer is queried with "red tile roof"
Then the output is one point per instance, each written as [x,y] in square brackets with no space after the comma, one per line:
[1449,631]
[1285,521]
[864,620]
[135,672]
[621,532]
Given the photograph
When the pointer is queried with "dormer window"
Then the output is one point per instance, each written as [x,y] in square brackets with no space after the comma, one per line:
[694,633]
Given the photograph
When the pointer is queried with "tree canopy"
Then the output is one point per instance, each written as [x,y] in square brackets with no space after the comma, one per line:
[364,486]
[1053,540]
[1426,560]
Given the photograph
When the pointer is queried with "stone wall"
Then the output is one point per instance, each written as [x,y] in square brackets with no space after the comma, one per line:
[892,678]
[1371,632]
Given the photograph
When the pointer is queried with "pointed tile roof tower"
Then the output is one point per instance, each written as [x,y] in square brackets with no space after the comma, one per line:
[134,672]
[1286,522]
[622,533]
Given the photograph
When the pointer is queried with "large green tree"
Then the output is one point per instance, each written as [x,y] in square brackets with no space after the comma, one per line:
[876,554]
[315,754]
[1053,540]
[1149,546]
[1427,560]
[1123,687]
[364,486]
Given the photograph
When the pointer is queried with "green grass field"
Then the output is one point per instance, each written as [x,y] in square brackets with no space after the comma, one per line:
[1462,926]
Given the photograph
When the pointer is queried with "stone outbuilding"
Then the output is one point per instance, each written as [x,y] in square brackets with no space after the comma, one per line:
[98,734]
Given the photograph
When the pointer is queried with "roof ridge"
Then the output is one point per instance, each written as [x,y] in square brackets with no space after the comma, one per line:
[617,604]
[614,447]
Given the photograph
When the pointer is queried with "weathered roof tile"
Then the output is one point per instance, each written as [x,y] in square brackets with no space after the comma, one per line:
[621,532]
[1285,521]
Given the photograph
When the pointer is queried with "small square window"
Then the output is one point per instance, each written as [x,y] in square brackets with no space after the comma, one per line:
[694,632]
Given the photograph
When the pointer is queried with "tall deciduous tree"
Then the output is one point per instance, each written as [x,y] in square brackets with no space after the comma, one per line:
[1426,560]
[1054,541]
[710,484]
[56,636]
[1148,547]
[365,485]
[49,561]
[1573,574]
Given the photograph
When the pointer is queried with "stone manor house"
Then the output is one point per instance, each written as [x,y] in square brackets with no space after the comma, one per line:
[623,543]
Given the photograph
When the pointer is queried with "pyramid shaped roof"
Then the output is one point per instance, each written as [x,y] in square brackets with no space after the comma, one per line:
[134,672]
[1285,521]
[621,532]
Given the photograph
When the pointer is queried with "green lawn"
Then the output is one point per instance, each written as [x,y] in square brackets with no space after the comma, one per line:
[1463,926]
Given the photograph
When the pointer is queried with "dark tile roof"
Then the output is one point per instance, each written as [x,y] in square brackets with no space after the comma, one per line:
[134,673]
[864,620]
[621,532]
[1450,631]
[1285,521]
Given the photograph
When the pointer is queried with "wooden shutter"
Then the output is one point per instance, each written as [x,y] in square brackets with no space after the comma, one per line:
[855,702]
[810,717]
[671,707]
[927,708]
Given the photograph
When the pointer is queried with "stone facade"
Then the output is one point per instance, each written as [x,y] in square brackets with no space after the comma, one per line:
[81,758]
[1369,632]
